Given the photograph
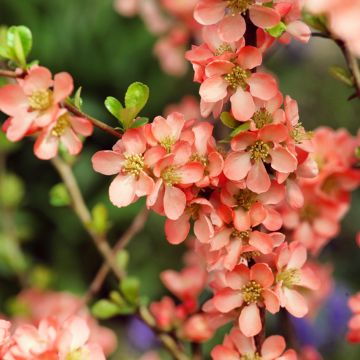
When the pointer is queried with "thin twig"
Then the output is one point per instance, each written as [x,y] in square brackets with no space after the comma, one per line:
[196,349]
[9,74]
[99,124]
[259,339]
[84,215]
[136,226]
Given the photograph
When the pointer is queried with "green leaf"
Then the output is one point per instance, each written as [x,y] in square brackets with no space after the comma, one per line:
[139,122]
[130,288]
[5,52]
[40,277]
[77,98]
[59,196]
[104,309]
[243,127]
[19,40]
[11,190]
[137,96]
[114,106]
[317,22]
[100,219]
[342,75]
[122,259]
[357,152]
[228,120]
[277,30]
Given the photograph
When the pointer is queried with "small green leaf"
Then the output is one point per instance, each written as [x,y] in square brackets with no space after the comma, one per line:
[137,96]
[117,299]
[5,52]
[59,196]
[277,30]
[243,127]
[77,98]
[114,106]
[122,259]
[228,120]
[130,288]
[19,40]
[40,277]
[317,22]
[357,152]
[104,309]
[100,219]
[139,122]
[11,190]
[342,75]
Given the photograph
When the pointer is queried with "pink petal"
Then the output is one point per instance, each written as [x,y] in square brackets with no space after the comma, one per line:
[273,347]
[232,28]
[299,31]
[295,303]
[191,173]
[81,125]
[63,86]
[72,143]
[258,179]
[213,89]
[264,17]
[202,133]
[261,241]
[273,220]
[249,320]
[257,214]
[161,129]
[244,344]
[227,299]
[203,228]
[242,141]
[274,133]
[39,78]
[262,86]
[237,278]
[174,202]
[209,12]
[241,219]
[298,256]
[12,99]
[221,352]
[237,165]
[249,57]
[19,125]
[107,162]
[218,68]
[216,164]
[122,190]
[176,121]
[282,160]
[144,185]
[134,141]
[177,230]
[46,146]
[221,239]
[242,105]
[271,300]
[262,274]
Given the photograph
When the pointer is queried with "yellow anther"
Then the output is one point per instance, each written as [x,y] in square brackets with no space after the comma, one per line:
[62,124]
[251,292]
[259,151]
[262,117]
[41,100]
[134,164]
[239,6]
[238,77]
[289,277]
[170,176]
[245,198]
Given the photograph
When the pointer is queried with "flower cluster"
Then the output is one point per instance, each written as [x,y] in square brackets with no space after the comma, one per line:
[342,17]
[35,107]
[171,20]
[51,340]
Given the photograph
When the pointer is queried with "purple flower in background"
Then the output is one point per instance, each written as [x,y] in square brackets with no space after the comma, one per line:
[140,336]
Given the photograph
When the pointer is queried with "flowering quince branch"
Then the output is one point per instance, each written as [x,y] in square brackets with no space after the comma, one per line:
[274,178]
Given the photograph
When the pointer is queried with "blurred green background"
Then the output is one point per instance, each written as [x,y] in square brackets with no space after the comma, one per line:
[105,52]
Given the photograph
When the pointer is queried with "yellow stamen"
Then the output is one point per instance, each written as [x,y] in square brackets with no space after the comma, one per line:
[170,176]
[223,49]
[167,143]
[237,77]
[289,277]
[262,117]
[41,100]
[259,151]
[245,198]
[134,164]
[251,292]
[62,124]
[239,6]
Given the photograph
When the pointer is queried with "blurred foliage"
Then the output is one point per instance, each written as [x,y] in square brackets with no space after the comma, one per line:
[105,53]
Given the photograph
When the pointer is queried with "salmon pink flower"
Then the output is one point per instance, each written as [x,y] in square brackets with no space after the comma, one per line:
[353,334]
[249,289]
[229,16]
[33,102]
[197,328]
[128,160]
[225,78]
[236,346]
[66,130]
[174,172]
[292,276]
[252,150]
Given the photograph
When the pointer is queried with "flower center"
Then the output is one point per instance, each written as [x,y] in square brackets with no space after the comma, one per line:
[259,151]
[41,100]
[245,198]
[202,159]
[134,164]
[167,143]
[237,77]
[223,49]
[239,6]
[77,355]
[289,277]
[255,356]
[251,292]
[62,124]
[299,134]
[170,176]
[243,235]
[193,211]
[249,255]
[309,212]
[262,117]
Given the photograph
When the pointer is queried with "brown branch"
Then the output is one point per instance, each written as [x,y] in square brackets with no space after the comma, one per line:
[9,74]
[84,215]
[136,226]
[196,349]
[260,338]
[97,123]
